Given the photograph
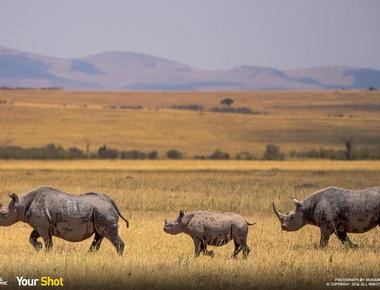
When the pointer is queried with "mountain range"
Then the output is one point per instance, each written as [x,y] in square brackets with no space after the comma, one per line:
[135,71]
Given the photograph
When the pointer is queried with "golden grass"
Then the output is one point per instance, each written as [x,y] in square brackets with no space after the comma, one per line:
[147,192]
[293,120]
[155,260]
[190,165]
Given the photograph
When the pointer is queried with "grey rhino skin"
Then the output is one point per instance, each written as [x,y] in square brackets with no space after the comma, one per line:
[74,218]
[214,229]
[335,210]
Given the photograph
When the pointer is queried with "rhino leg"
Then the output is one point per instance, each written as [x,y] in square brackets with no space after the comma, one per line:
[197,246]
[112,234]
[326,231]
[246,250]
[47,237]
[118,243]
[96,243]
[342,236]
[204,249]
[106,225]
[48,243]
[237,250]
[240,245]
[34,235]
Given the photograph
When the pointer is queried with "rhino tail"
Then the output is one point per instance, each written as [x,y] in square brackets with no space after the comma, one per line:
[250,224]
[120,215]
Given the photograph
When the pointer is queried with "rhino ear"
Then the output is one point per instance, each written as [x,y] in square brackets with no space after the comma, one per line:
[13,196]
[181,213]
[297,203]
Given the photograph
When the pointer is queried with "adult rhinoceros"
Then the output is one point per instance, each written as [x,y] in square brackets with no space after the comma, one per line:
[74,218]
[335,210]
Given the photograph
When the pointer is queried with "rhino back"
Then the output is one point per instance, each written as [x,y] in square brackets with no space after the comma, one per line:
[64,206]
[349,210]
[213,225]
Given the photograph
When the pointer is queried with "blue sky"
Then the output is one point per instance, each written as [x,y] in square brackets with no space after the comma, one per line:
[214,34]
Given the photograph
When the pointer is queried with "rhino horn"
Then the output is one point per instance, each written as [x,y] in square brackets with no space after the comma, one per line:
[13,196]
[278,214]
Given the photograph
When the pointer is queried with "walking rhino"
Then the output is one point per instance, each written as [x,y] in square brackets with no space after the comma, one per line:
[74,218]
[335,210]
[214,229]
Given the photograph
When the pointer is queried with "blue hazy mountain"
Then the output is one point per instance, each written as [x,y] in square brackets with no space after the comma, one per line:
[119,70]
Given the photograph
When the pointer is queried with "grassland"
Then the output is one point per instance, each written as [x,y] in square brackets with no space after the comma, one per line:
[155,260]
[293,120]
[147,192]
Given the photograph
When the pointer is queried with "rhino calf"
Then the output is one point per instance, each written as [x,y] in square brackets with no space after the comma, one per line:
[74,218]
[212,229]
[335,210]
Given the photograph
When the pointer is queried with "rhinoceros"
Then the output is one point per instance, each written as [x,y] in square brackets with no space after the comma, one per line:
[214,229]
[51,212]
[335,210]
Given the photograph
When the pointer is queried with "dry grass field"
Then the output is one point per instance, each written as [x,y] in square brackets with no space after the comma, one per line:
[155,260]
[147,192]
[293,120]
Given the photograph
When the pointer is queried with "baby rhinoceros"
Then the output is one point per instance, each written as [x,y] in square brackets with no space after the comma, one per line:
[214,229]
[74,218]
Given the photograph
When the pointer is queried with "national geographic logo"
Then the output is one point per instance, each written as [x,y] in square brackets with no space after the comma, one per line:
[3,282]
[44,281]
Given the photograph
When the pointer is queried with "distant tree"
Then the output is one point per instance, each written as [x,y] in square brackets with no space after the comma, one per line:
[371,88]
[227,102]
[272,152]
[87,141]
[348,144]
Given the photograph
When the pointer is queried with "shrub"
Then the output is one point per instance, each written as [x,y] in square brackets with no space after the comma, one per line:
[201,157]
[47,152]
[133,154]
[75,153]
[323,154]
[219,155]
[137,107]
[361,153]
[174,154]
[272,152]
[245,156]
[11,152]
[153,155]
[238,110]
[192,107]
[107,153]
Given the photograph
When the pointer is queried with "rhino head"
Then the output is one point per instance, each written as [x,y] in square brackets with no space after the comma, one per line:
[10,214]
[175,227]
[294,220]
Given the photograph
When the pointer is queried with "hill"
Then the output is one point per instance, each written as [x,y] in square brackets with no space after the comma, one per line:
[136,71]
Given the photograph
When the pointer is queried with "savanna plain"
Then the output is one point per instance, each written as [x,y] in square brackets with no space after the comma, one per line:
[147,192]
